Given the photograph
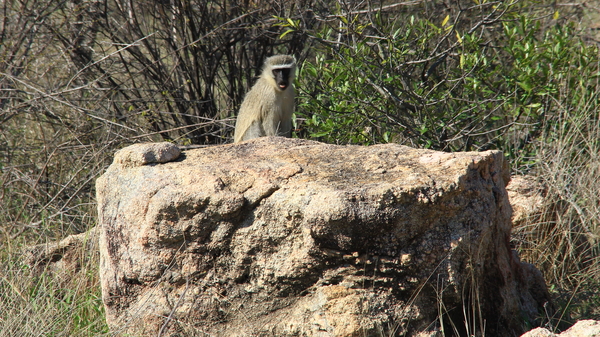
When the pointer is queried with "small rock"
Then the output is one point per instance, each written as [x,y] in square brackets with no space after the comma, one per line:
[585,328]
[62,255]
[147,153]
[526,197]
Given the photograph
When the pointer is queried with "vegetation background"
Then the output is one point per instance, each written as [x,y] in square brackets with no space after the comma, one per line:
[80,79]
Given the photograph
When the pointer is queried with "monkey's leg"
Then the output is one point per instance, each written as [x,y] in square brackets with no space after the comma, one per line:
[285,128]
[255,130]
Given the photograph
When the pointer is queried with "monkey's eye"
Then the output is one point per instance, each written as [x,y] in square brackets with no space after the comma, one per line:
[281,73]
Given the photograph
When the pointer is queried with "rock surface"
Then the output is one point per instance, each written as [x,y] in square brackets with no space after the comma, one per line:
[586,328]
[288,237]
[66,254]
[142,154]
[526,197]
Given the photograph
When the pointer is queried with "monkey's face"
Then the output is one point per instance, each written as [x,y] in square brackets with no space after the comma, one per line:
[282,78]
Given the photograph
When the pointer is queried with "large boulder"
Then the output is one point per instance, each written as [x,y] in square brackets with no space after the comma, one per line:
[288,237]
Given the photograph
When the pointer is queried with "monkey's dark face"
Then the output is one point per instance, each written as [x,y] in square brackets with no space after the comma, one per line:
[282,78]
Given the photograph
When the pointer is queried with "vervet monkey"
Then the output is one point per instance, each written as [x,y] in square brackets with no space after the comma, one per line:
[267,108]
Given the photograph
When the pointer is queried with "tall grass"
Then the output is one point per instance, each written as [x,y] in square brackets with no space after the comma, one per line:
[47,302]
[47,172]
[563,239]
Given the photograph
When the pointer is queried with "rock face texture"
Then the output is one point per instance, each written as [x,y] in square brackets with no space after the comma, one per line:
[526,197]
[66,254]
[288,237]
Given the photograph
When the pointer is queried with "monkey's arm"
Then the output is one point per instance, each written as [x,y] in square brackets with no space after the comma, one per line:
[249,123]
[254,130]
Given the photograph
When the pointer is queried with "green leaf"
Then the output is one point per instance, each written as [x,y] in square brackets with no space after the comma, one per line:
[286,33]
[525,86]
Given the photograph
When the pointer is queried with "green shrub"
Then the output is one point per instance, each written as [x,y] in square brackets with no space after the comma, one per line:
[448,84]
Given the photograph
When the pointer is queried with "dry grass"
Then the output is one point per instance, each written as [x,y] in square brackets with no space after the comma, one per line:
[563,239]
[47,174]
[35,302]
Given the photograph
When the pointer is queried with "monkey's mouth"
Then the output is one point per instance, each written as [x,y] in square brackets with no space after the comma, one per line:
[282,86]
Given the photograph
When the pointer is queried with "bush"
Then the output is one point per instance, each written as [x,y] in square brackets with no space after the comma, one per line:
[445,82]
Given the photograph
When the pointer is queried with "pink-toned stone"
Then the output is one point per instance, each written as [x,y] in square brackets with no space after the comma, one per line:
[288,237]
